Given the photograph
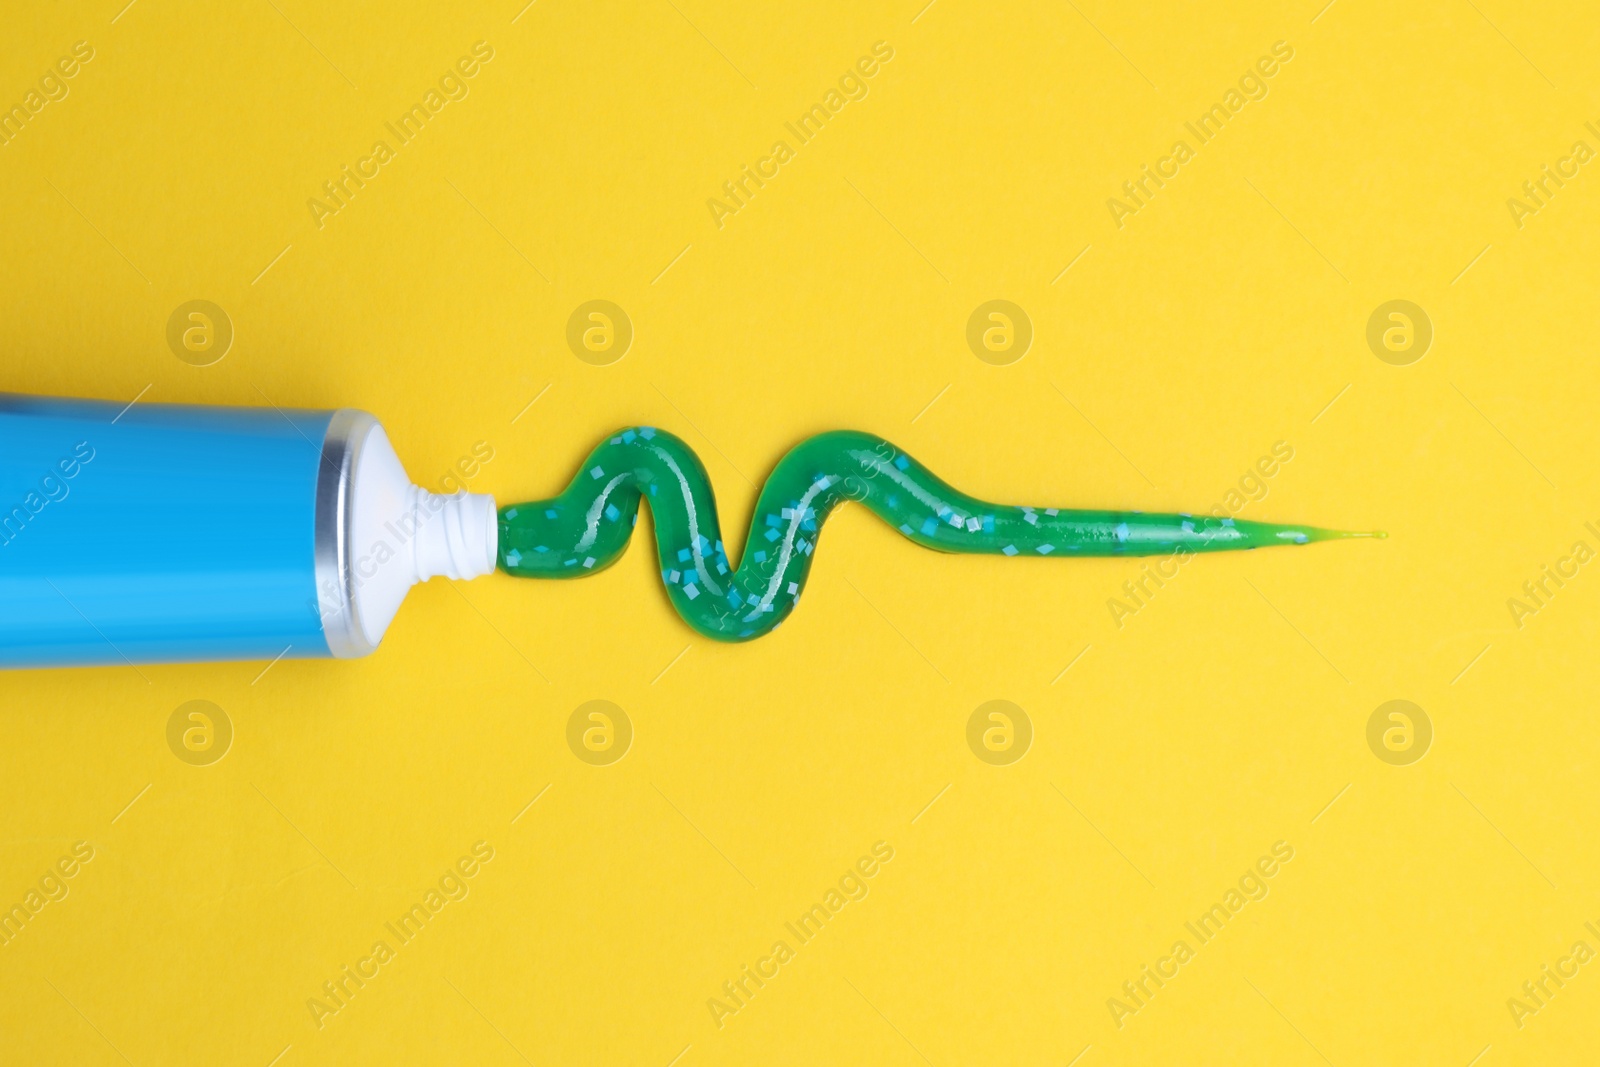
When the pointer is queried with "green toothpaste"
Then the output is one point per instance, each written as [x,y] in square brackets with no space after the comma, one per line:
[587,526]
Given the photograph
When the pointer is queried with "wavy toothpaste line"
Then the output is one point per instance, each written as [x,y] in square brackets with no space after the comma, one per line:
[587,526]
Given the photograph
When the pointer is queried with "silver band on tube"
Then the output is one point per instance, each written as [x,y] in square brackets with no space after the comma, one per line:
[341,449]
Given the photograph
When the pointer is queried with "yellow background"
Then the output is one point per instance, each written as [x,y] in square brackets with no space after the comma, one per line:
[1222,318]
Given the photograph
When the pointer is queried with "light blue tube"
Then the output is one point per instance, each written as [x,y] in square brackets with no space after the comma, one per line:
[160,532]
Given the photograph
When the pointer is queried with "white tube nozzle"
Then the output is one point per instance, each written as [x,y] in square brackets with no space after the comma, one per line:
[457,535]
[397,534]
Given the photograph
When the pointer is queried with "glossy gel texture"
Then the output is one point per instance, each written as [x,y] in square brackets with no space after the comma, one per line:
[587,527]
